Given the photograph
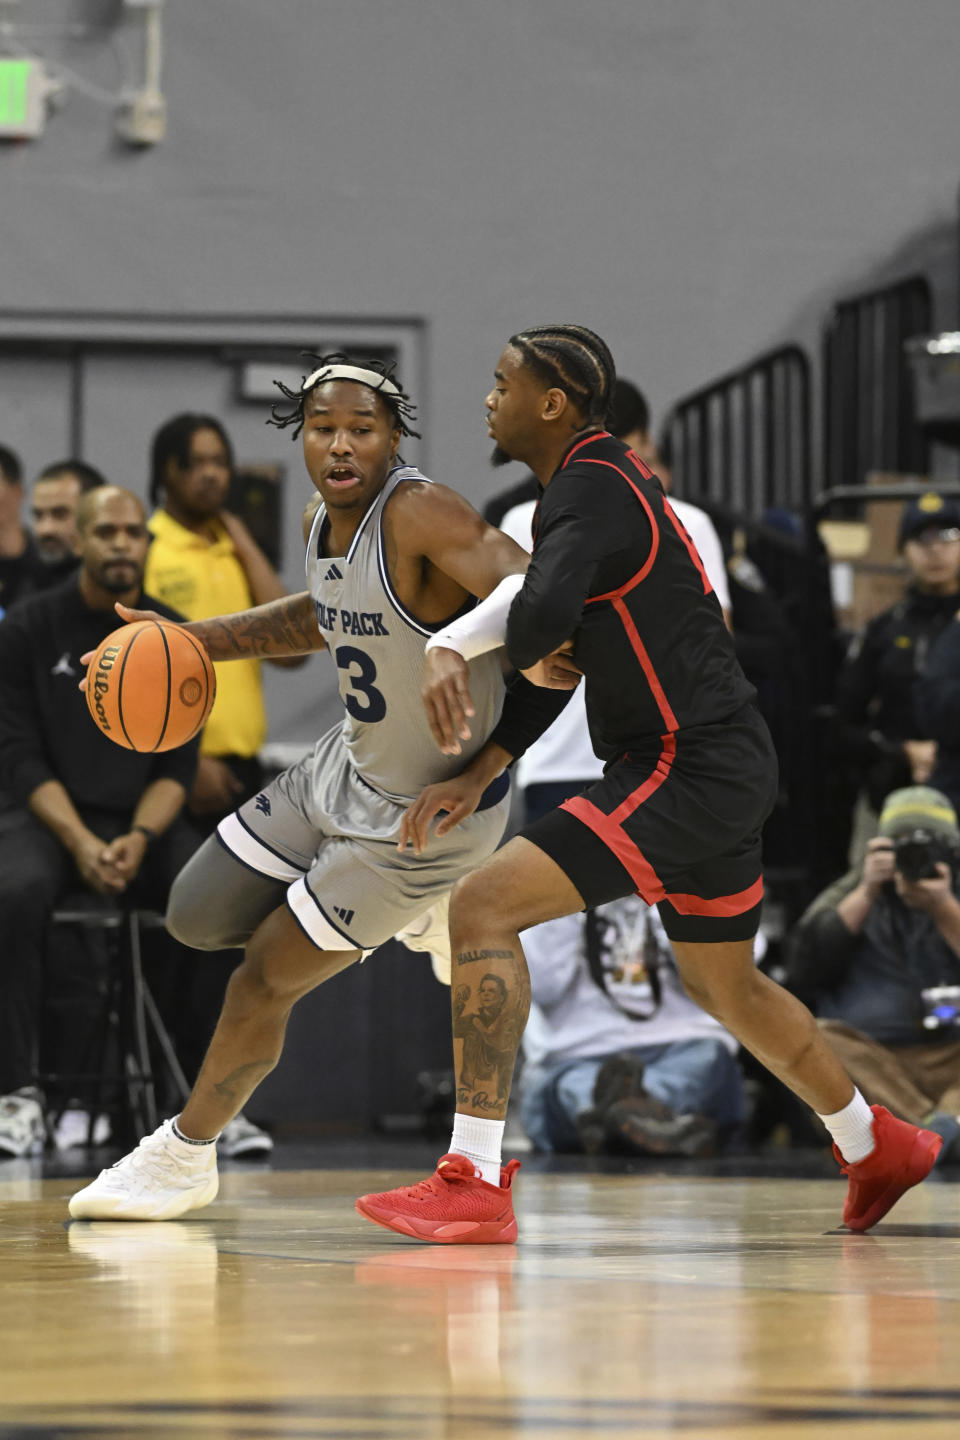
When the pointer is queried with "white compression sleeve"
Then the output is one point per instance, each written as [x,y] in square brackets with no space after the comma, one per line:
[484,627]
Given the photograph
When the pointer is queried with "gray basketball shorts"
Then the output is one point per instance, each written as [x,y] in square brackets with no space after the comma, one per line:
[323,829]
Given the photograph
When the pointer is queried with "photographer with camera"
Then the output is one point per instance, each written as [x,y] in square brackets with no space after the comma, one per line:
[877,957]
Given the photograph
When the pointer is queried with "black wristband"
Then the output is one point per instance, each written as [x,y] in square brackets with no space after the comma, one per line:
[528,710]
[151,835]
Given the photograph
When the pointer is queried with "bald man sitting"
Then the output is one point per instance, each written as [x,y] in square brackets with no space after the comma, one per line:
[86,813]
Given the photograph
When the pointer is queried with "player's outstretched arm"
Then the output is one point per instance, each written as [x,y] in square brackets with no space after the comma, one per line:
[281,627]
[436,528]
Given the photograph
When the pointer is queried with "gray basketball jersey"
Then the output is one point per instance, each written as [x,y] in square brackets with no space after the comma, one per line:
[377,646]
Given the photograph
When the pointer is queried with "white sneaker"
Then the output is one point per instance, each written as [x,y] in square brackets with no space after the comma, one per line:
[22,1126]
[430,934]
[241,1137]
[163,1178]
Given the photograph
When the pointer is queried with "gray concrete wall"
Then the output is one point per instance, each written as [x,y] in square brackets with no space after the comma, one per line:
[693,178]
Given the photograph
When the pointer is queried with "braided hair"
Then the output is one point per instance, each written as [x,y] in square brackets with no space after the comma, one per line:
[574,360]
[396,399]
[172,442]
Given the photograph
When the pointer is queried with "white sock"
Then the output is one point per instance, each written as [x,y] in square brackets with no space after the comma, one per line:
[188,1139]
[852,1129]
[480,1141]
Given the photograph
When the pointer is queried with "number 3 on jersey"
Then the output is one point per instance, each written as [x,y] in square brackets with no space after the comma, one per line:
[366,702]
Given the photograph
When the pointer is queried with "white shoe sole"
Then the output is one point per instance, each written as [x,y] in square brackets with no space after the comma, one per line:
[88,1205]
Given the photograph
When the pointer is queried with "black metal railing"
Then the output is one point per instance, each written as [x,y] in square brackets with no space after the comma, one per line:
[869,421]
[742,443]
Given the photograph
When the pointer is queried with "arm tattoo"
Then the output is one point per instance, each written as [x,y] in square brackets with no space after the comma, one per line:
[281,627]
[466,957]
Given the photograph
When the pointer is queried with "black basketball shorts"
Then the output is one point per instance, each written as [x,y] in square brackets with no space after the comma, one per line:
[680,828]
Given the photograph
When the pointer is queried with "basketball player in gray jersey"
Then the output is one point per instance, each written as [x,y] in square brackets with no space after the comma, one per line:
[315,871]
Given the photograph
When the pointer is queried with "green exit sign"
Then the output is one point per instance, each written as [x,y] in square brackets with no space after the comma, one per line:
[23,94]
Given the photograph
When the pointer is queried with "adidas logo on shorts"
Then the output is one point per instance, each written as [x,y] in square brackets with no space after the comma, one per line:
[263,804]
[345,915]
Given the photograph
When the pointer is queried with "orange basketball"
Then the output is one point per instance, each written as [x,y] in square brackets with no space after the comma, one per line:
[150,686]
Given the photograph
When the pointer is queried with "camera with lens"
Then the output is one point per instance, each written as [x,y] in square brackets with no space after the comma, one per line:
[917,853]
[942,1006]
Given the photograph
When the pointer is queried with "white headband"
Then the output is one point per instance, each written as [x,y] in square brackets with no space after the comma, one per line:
[350,372]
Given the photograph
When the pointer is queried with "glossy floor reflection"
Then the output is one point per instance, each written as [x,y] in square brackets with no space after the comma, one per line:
[634,1305]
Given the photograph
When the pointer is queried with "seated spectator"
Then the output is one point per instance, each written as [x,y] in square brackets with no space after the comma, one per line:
[616,1057]
[871,952]
[204,561]
[87,813]
[54,501]
[879,725]
[16,547]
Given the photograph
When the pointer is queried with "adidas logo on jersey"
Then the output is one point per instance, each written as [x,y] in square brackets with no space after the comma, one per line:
[333,574]
[345,915]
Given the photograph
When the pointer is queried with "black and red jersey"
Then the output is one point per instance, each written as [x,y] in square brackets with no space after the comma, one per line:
[615,570]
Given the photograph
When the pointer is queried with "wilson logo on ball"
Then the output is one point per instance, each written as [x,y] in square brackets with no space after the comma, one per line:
[150,686]
[106,656]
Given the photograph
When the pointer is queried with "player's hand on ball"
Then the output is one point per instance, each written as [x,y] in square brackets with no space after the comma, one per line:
[558,671]
[150,685]
[458,797]
[446,698]
[128,616]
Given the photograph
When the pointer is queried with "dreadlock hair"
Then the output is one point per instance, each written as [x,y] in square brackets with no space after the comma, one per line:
[574,360]
[401,407]
[172,442]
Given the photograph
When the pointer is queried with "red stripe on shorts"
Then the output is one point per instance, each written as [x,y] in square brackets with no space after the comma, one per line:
[652,782]
[641,872]
[721,904]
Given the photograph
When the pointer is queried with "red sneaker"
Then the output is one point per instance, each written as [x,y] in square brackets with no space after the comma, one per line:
[453,1207]
[904,1155]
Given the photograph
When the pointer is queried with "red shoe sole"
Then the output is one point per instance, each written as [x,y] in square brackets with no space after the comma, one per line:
[919,1163]
[445,1232]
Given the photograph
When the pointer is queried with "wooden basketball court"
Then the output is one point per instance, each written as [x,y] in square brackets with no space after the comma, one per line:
[634,1305]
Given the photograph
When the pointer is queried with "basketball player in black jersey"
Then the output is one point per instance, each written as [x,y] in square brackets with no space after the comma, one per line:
[616,583]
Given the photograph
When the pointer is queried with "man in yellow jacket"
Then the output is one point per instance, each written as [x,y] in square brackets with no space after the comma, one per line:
[209,561]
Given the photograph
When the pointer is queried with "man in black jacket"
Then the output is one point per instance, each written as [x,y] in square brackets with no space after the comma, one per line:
[880,725]
[872,948]
[85,812]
